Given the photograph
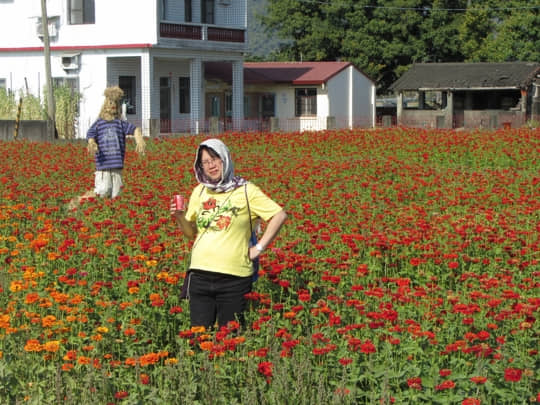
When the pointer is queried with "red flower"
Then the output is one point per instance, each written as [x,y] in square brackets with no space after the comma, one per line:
[345,360]
[512,374]
[145,379]
[478,379]
[444,372]
[470,401]
[445,385]
[265,368]
[121,395]
[223,222]
[415,383]
[210,204]
[368,347]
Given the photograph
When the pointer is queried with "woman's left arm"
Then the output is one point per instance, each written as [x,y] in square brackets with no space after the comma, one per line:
[271,231]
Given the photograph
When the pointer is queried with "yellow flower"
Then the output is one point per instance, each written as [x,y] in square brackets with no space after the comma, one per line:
[103,329]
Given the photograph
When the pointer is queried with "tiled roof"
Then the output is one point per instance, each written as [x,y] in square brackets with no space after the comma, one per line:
[292,72]
[300,73]
[467,75]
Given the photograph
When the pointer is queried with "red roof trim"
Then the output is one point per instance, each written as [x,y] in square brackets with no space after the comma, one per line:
[76,48]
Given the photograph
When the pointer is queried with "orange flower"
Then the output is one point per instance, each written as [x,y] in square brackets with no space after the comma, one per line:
[33,345]
[70,355]
[289,315]
[148,359]
[130,361]
[129,332]
[206,345]
[198,329]
[4,321]
[51,346]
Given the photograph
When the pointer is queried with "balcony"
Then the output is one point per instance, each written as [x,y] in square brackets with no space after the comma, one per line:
[201,32]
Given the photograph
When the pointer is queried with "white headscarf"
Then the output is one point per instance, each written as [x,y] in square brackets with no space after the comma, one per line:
[228,180]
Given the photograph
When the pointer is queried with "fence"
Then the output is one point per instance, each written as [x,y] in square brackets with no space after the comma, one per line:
[30,130]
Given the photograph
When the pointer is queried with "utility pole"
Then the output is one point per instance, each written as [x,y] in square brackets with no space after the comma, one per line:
[51,113]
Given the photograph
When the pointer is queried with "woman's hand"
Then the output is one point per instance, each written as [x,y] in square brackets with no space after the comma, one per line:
[188,228]
[254,253]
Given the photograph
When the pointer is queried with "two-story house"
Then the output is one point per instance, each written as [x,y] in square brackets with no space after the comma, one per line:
[155,50]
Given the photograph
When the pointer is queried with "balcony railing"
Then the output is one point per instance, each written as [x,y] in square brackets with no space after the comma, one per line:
[201,32]
[180,31]
[225,34]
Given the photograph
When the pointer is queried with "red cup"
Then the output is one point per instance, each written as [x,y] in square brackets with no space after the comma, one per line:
[180,202]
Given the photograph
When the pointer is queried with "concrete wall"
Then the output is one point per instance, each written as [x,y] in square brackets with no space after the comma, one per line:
[29,130]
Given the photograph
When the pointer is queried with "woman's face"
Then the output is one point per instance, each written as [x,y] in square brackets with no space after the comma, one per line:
[212,166]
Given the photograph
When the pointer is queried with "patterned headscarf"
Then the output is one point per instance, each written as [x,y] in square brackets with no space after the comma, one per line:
[228,180]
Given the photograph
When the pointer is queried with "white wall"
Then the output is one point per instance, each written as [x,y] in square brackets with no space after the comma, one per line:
[117,22]
[364,95]
[233,15]
[339,97]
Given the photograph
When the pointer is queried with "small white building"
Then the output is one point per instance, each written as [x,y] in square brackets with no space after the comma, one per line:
[297,96]
[155,50]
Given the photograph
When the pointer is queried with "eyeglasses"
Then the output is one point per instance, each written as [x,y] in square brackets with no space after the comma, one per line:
[210,162]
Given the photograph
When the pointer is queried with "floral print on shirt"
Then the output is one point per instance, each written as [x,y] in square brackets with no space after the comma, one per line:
[216,217]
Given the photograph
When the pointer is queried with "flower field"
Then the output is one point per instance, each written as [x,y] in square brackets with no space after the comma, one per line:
[408,272]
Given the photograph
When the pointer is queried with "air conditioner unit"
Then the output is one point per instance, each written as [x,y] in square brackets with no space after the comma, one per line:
[53,31]
[71,61]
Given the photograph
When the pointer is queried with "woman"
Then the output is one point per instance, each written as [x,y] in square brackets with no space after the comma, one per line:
[219,215]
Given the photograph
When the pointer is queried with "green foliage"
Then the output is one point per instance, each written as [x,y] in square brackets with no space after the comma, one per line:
[8,106]
[67,110]
[383,38]
[32,108]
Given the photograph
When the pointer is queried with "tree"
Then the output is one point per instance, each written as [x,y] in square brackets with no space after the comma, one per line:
[384,37]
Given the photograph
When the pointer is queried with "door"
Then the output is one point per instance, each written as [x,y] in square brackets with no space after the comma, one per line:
[459,110]
[165,105]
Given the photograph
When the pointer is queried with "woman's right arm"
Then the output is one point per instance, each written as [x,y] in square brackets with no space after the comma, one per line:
[188,228]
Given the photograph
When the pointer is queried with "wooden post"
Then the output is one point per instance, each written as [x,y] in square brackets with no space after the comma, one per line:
[51,125]
[18,119]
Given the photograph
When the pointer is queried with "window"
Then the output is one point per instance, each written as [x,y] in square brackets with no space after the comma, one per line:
[69,82]
[268,105]
[128,85]
[2,83]
[228,105]
[207,11]
[306,102]
[188,14]
[81,12]
[184,95]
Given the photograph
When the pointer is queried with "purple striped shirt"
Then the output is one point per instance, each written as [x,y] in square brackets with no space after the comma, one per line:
[110,137]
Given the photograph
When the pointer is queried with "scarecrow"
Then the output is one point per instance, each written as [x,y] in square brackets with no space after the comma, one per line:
[107,142]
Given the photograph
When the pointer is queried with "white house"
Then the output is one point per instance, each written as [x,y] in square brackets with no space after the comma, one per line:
[293,96]
[155,50]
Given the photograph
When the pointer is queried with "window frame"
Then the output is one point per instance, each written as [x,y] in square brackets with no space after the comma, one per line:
[86,14]
[208,11]
[305,105]
[130,93]
[184,95]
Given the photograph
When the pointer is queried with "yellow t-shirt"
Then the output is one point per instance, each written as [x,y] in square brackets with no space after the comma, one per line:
[223,228]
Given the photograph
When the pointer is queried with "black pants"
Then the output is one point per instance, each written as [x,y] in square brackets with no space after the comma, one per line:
[217,296]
